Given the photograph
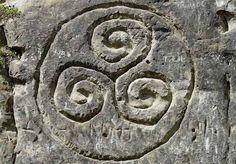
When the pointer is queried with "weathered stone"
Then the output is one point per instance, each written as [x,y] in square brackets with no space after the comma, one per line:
[7,128]
[21,71]
[123,81]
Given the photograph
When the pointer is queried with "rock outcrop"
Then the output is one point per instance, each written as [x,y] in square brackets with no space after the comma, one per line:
[120,81]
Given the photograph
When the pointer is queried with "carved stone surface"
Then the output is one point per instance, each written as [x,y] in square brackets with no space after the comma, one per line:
[128,81]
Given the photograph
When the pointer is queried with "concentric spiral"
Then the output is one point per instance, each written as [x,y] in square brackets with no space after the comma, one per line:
[78,94]
[143,100]
[116,39]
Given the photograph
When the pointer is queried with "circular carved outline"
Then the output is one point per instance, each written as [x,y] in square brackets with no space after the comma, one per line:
[47,49]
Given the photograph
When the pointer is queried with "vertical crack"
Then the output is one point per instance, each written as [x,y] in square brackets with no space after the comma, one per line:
[16,130]
[228,97]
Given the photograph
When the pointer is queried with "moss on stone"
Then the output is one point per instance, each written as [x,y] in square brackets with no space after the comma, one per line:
[7,12]
[5,56]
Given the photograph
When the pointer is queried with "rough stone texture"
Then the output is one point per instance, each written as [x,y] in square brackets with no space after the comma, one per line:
[126,81]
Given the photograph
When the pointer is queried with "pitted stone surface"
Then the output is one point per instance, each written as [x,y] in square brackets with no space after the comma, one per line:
[123,82]
[109,44]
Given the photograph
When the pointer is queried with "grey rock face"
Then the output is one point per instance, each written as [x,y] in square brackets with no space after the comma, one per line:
[123,82]
[7,128]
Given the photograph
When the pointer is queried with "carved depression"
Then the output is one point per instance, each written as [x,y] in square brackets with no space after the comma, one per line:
[107,90]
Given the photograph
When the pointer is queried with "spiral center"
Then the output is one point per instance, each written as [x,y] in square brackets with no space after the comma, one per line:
[82,93]
[118,39]
[80,96]
[146,92]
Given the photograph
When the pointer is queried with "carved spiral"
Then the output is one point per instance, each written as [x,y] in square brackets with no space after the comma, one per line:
[116,39]
[79,94]
[143,99]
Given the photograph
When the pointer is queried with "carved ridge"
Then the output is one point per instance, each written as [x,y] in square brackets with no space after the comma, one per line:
[70,144]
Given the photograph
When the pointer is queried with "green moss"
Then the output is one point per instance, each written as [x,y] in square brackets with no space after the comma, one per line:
[1,59]
[7,12]
[5,56]
[1,63]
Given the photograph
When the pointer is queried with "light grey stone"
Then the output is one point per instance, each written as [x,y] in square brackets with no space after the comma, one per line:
[123,82]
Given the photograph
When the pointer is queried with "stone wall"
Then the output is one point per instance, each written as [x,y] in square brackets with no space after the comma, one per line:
[120,81]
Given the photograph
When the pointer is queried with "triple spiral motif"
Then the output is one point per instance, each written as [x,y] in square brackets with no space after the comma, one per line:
[111,71]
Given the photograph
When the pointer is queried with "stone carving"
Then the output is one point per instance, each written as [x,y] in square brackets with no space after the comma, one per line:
[105,89]
[226,10]
[117,39]
[120,82]
[79,93]
[147,99]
